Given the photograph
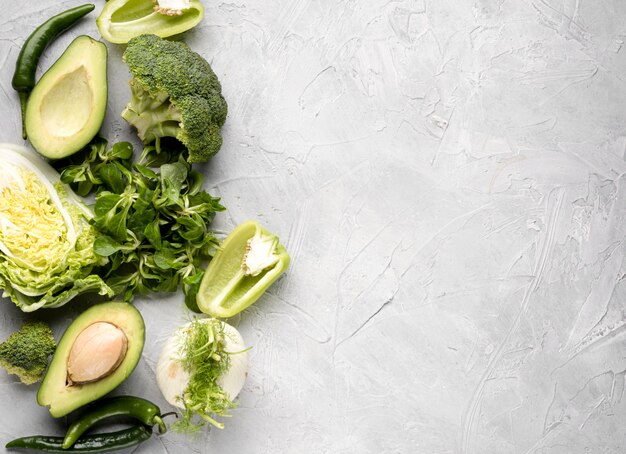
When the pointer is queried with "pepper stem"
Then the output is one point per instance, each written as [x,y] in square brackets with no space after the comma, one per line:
[23,98]
[157,420]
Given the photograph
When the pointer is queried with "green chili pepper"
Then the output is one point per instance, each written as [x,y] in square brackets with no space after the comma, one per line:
[24,77]
[105,442]
[140,409]
[246,264]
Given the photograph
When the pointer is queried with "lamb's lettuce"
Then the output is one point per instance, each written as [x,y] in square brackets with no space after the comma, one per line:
[153,225]
[46,241]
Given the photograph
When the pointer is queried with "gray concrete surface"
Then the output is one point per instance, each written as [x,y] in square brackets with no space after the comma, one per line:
[449,178]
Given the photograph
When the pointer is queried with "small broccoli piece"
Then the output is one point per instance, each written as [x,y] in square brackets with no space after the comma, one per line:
[175,93]
[25,353]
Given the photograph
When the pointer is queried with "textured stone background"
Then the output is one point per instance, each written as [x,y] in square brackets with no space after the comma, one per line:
[449,179]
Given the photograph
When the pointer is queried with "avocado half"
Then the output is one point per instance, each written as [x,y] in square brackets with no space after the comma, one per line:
[67,106]
[57,391]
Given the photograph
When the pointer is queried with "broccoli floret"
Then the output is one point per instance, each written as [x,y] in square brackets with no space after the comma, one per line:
[25,353]
[175,93]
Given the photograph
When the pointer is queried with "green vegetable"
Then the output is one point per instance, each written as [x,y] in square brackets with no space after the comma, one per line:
[105,442]
[134,407]
[201,370]
[46,243]
[247,263]
[26,66]
[153,226]
[66,108]
[121,20]
[83,368]
[175,93]
[205,359]
[25,353]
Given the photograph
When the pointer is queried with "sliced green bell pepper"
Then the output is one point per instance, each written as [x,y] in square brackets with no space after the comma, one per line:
[247,263]
[121,20]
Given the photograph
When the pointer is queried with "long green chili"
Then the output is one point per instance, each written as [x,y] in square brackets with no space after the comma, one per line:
[135,407]
[106,442]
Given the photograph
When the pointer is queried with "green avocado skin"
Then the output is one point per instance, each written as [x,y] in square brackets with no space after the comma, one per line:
[66,108]
[62,398]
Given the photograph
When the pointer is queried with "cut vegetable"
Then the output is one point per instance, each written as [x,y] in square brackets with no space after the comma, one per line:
[46,243]
[201,370]
[67,106]
[122,20]
[82,352]
[247,263]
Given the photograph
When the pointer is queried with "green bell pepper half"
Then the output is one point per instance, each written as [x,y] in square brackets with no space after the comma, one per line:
[122,20]
[247,263]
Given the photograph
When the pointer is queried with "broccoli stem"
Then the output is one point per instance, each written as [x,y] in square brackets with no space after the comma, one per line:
[152,116]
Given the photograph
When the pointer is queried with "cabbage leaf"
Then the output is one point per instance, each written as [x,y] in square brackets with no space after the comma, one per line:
[46,242]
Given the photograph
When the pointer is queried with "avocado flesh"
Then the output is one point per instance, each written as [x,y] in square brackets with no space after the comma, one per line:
[63,398]
[67,106]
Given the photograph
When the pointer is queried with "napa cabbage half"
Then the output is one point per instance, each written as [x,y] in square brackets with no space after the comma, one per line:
[46,241]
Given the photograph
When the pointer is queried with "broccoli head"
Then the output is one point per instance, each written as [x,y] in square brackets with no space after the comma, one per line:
[175,93]
[25,353]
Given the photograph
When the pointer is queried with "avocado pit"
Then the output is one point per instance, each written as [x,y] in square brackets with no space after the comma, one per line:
[97,351]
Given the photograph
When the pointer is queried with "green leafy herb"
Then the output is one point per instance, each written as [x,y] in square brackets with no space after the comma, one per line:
[153,225]
[206,361]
